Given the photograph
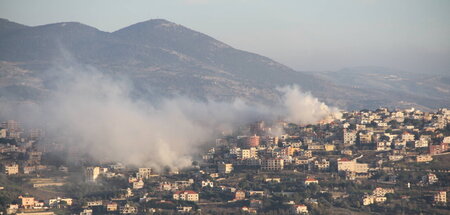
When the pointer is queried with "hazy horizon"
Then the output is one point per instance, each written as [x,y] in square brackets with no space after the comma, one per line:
[305,35]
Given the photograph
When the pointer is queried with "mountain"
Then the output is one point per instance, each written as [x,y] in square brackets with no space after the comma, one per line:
[164,59]
[424,90]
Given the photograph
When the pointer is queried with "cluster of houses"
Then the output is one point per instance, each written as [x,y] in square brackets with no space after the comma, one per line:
[355,146]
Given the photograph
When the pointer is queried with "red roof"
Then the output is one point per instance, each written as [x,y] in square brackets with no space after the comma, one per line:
[310,179]
[344,159]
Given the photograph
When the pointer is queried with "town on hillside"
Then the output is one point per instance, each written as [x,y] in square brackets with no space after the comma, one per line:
[363,162]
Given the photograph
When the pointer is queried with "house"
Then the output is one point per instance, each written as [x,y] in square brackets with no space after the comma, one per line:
[27,201]
[322,164]
[138,185]
[239,195]
[11,169]
[112,206]
[257,204]
[330,147]
[309,181]
[56,202]
[423,158]
[440,197]
[207,183]
[379,191]
[128,209]
[383,146]
[225,168]
[372,199]
[437,149]
[407,137]
[187,195]
[276,180]
[299,209]
[184,209]
[86,211]
[430,178]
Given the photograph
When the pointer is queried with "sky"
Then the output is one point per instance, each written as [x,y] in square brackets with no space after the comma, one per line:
[315,35]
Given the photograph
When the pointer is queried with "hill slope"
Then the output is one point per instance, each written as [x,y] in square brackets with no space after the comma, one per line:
[162,58]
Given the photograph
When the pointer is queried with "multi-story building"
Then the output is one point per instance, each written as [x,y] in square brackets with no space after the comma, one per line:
[437,149]
[272,164]
[365,137]
[322,164]
[345,164]
[144,173]
[248,153]
[11,169]
[349,137]
[92,173]
[187,195]
[225,168]
[27,201]
[406,136]
[440,197]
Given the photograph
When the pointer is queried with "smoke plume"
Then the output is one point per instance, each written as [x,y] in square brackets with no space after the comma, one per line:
[98,115]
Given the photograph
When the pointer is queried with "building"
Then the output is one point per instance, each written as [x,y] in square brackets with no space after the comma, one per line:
[349,137]
[372,199]
[144,173]
[207,183]
[56,202]
[299,209]
[248,153]
[440,197]
[430,178]
[365,137]
[252,141]
[225,168]
[239,195]
[128,209]
[423,158]
[437,149]
[322,164]
[309,181]
[112,206]
[138,185]
[92,173]
[345,164]
[11,169]
[330,147]
[2,133]
[408,137]
[187,195]
[27,201]
[379,191]
[272,164]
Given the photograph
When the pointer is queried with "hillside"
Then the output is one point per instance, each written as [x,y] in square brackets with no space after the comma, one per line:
[162,58]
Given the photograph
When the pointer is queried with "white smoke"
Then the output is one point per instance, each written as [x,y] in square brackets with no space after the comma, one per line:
[98,115]
[303,108]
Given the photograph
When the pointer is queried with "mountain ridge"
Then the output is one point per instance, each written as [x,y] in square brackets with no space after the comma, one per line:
[164,58]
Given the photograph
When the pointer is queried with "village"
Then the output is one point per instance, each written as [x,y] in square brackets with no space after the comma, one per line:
[362,162]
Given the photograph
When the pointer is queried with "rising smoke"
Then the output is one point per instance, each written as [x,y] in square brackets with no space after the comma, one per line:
[98,115]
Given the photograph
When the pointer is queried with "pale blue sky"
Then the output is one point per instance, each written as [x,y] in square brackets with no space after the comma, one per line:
[411,35]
